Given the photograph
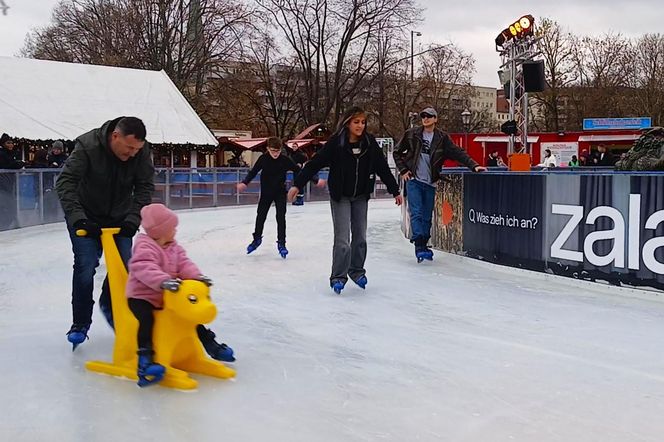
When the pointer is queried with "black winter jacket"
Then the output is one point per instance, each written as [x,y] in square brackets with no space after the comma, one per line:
[97,185]
[350,175]
[8,159]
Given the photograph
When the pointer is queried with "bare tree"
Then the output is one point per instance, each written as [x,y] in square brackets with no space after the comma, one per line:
[269,83]
[603,65]
[557,49]
[648,77]
[331,41]
[186,38]
[446,73]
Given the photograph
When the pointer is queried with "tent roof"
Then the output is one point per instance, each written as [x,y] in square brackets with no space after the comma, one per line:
[249,143]
[47,100]
[301,142]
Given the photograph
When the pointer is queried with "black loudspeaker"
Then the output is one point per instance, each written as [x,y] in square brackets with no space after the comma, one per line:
[507,90]
[533,76]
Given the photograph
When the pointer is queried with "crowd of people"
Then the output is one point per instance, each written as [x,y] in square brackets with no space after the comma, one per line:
[602,157]
[37,157]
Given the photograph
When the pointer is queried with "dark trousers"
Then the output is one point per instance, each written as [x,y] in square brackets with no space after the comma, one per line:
[144,312]
[264,203]
[87,252]
[349,217]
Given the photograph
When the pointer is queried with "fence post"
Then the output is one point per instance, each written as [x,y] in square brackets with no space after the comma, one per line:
[167,183]
[237,192]
[41,197]
[214,188]
[191,189]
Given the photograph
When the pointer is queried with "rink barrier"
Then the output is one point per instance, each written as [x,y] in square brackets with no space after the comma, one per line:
[28,197]
[590,225]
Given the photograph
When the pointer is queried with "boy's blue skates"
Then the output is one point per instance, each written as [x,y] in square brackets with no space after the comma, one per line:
[283,251]
[254,244]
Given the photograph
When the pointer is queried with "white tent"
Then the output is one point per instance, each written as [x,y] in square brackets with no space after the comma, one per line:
[45,100]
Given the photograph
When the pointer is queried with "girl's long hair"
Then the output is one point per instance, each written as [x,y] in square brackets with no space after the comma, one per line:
[342,129]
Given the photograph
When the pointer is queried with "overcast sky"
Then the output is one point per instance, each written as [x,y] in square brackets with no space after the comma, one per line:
[472,25]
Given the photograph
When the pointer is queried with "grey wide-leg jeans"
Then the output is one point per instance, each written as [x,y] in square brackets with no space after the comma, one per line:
[349,217]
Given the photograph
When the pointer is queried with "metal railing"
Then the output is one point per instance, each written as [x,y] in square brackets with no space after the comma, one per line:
[28,197]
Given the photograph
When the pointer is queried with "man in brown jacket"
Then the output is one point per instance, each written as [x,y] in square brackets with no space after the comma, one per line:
[419,156]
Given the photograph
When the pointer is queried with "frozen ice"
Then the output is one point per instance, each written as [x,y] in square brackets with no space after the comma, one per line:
[452,350]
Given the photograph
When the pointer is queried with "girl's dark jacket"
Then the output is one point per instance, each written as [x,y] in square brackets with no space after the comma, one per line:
[350,175]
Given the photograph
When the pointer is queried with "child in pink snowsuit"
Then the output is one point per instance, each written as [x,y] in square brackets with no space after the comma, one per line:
[159,263]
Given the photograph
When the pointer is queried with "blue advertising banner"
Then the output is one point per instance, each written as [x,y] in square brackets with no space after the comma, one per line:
[592,226]
[617,123]
[613,231]
[502,219]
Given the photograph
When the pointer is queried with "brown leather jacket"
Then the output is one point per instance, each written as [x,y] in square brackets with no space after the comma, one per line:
[407,152]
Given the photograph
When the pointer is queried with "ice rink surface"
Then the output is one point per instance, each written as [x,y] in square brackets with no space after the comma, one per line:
[454,350]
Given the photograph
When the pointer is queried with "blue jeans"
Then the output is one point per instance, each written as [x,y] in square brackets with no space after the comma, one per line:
[87,252]
[421,199]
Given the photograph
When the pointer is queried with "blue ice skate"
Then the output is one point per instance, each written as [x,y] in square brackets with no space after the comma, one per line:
[254,244]
[77,334]
[283,251]
[220,352]
[422,253]
[362,281]
[337,285]
[149,372]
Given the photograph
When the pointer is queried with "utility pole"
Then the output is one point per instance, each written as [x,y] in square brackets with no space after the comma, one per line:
[412,53]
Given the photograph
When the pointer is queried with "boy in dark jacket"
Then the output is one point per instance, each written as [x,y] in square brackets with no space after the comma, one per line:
[273,167]
[419,156]
[354,159]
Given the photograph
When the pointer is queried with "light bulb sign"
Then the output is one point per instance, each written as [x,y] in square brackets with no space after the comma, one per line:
[517,30]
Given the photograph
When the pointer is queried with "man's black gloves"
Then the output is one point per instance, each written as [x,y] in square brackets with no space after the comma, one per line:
[87,228]
[128,229]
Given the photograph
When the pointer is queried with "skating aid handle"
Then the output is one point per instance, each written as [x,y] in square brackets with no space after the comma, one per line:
[111,230]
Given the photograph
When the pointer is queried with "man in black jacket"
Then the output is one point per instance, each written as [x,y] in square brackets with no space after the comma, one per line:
[8,214]
[419,156]
[105,182]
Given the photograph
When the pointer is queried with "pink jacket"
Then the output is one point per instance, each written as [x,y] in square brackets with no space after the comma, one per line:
[151,264]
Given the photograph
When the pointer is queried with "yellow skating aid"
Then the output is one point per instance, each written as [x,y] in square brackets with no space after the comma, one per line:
[175,341]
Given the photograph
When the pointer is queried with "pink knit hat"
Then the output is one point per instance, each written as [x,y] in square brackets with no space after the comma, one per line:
[158,220]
